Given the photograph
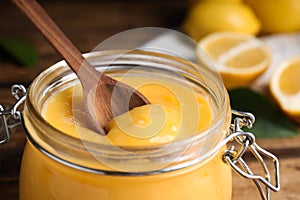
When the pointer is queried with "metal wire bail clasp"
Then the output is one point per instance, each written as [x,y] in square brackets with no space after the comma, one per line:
[10,115]
[247,141]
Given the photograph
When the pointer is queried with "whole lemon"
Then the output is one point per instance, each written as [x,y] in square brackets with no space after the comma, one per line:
[207,17]
[277,16]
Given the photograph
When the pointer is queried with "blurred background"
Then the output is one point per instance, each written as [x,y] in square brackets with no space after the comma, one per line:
[87,23]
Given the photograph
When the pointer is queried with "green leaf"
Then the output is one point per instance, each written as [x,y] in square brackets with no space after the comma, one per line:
[270,121]
[19,51]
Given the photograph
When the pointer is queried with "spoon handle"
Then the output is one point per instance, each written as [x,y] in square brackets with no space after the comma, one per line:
[52,33]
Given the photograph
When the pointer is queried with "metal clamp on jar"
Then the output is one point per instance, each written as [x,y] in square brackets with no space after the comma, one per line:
[61,166]
[10,116]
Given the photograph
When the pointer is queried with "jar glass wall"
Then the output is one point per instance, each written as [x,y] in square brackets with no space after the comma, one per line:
[58,166]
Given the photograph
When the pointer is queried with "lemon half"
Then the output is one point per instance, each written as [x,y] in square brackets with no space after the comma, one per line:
[239,58]
[285,86]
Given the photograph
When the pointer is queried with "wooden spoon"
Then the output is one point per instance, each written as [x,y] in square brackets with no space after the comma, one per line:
[104,97]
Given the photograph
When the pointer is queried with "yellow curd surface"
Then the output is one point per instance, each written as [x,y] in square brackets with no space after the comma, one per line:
[175,113]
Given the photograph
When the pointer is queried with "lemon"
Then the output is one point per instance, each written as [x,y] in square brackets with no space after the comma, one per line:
[212,16]
[285,86]
[239,58]
[277,16]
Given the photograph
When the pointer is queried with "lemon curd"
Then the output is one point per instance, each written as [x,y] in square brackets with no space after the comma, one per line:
[156,151]
[157,123]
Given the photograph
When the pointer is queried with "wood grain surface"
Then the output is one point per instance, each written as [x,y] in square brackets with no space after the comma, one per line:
[88,23]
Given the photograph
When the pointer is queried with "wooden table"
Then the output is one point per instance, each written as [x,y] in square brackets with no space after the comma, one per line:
[88,23]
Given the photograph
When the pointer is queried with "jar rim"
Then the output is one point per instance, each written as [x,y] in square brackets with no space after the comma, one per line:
[33,109]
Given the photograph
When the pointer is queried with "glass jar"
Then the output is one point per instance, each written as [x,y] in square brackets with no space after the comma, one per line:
[59,166]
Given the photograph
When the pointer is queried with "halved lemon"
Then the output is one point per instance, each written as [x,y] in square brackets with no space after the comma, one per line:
[239,58]
[285,86]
